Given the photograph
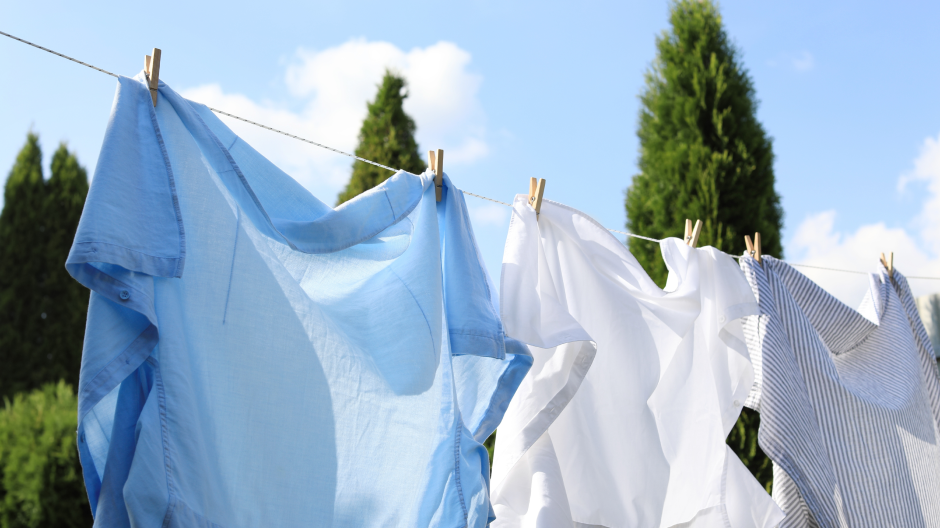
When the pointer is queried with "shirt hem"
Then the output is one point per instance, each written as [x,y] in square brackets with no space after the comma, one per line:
[129,259]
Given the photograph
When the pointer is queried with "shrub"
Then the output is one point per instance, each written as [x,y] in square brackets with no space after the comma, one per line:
[40,475]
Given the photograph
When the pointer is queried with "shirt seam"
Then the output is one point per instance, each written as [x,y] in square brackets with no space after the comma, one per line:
[418,304]
[474,334]
[457,436]
[473,243]
[231,271]
[172,184]
[105,373]
[125,248]
[165,437]
[512,220]
[390,206]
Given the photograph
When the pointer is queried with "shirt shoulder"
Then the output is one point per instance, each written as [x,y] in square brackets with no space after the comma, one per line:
[131,217]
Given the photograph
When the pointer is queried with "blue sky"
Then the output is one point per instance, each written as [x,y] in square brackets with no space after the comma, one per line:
[510,90]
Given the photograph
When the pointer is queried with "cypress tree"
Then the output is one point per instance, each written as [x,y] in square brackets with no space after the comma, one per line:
[65,300]
[22,268]
[703,155]
[42,309]
[386,137]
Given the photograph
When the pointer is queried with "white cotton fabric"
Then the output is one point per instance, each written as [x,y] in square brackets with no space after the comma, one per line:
[622,420]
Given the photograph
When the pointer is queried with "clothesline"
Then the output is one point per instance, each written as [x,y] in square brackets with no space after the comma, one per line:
[260,125]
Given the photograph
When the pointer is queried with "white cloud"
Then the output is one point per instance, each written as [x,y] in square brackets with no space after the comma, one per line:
[803,62]
[927,168]
[816,242]
[489,214]
[332,87]
[800,62]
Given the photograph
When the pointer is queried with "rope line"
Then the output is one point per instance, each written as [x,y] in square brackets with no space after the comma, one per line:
[485,198]
[858,272]
[634,236]
[831,269]
[266,127]
[609,229]
[59,54]
[292,136]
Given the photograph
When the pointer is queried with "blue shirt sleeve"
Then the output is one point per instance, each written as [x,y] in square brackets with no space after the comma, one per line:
[131,217]
[488,366]
[473,322]
[130,234]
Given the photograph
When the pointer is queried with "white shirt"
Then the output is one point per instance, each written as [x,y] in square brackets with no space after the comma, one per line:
[623,417]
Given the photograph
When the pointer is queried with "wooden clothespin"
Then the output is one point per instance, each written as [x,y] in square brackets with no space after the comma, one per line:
[152,70]
[692,233]
[536,190]
[436,163]
[753,248]
[889,263]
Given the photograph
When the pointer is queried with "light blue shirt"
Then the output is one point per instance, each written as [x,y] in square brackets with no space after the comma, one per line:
[254,357]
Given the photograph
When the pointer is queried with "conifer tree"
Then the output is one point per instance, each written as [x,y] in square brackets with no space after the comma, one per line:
[386,137]
[22,266]
[65,300]
[42,309]
[703,155]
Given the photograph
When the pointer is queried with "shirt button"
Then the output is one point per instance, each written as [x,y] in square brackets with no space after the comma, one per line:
[737,403]
[125,295]
[721,319]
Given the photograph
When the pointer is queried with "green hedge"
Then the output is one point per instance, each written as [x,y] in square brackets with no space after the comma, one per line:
[40,474]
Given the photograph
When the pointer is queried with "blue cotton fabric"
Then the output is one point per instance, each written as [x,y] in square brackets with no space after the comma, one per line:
[254,357]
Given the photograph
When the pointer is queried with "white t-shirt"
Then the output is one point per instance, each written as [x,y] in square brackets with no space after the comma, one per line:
[623,417]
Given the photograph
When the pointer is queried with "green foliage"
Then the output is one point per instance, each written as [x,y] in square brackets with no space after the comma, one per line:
[21,269]
[743,441]
[386,137]
[490,445]
[703,155]
[42,309]
[40,475]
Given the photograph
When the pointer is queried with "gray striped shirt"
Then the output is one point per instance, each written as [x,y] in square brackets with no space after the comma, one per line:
[849,401]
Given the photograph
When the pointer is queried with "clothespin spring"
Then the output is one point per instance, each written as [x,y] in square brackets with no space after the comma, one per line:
[436,164]
[536,190]
[888,263]
[152,71]
[753,248]
[692,233]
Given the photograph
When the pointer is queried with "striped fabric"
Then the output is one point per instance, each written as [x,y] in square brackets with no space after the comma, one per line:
[849,401]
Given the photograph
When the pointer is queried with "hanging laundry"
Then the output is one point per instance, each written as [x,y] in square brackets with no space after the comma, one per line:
[849,401]
[254,357]
[622,420]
